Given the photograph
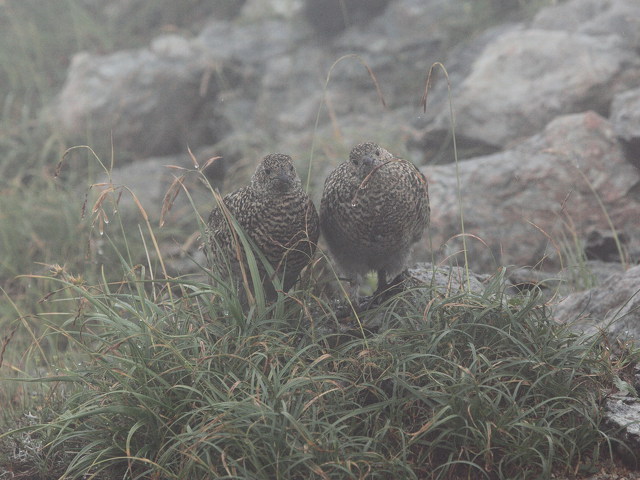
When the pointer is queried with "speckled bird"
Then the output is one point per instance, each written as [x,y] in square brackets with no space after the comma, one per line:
[374,208]
[276,214]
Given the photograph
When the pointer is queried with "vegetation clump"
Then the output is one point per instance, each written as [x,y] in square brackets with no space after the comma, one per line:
[477,385]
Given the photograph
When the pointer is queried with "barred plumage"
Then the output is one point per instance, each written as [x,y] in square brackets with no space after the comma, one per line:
[276,215]
[374,208]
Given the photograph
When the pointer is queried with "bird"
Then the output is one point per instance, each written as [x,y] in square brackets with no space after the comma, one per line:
[374,208]
[276,215]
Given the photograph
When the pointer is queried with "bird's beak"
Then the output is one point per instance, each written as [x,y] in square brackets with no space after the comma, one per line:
[284,177]
[368,161]
[284,181]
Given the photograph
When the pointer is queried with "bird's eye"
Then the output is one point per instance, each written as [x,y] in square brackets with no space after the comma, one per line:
[267,171]
[377,151]
[356,162]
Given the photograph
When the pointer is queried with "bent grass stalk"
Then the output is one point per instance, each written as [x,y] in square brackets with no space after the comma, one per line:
[324,100]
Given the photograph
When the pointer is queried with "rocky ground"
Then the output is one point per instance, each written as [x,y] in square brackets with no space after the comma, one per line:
[547,126]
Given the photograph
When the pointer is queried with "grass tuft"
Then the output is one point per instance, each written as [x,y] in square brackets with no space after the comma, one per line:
[480,385]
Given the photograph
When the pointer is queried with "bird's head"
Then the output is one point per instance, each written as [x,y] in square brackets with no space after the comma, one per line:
[367,156]
[275,174]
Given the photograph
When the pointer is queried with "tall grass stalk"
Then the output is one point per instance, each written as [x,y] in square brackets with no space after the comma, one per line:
[452,117]
[324,100]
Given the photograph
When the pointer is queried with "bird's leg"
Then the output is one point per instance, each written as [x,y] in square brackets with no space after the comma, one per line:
[382,282]
[396,285]
[386,289]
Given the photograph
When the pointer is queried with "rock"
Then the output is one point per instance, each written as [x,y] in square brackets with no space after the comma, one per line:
[445,280]
[625,118]
[527,278]
[332,16]
[262,74]
[151,101]
[400,46]
[281,84]
[258,10]
[613,307]
[432,140]
[598,271]
[593,17]
[519,204]
[622,418]
[552,284]
[525,78]
[424,280]
[149,181]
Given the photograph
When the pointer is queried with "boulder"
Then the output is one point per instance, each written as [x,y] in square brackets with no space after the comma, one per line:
[264,73]
[150,101]
[520,205]
[225,166]
[259,10]
[527,77]
[281,76]
[613,307]
[399,47]
[333,16]
[593,17]
[446,281]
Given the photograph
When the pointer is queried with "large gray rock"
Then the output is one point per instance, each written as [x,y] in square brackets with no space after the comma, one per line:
[151,101]
[262,9]
[613,307]
[526,77]
[400,46]
[574,56]
[594,17]
[281,76]
[518,205]
[332,16]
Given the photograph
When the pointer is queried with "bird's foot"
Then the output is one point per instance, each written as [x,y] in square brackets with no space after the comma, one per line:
[386,290]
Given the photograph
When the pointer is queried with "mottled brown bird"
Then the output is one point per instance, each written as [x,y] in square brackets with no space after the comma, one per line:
[374,208]
[279,218]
